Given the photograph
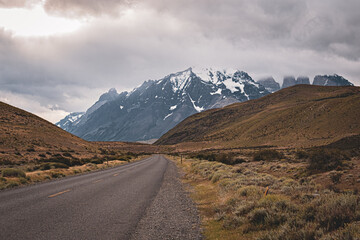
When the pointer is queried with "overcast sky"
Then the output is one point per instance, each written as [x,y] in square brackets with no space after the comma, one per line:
[58,56]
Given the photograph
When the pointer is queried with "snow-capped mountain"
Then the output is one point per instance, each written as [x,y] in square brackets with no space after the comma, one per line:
[70,121]
[155,107]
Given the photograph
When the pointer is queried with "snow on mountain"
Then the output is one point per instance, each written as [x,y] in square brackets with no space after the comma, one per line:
[153,108]
[70,120]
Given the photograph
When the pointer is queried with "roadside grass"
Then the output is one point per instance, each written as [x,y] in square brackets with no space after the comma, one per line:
[33,173]
[232,203]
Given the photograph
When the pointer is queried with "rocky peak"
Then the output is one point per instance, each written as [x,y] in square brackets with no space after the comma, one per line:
[303,80]
[270,84]
[288,81]
[331,80]
[110,95]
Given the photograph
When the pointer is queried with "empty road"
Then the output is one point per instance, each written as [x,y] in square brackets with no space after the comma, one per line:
[140,200]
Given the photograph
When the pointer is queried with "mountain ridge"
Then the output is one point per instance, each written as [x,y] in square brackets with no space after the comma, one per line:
[299,116]
[149,111]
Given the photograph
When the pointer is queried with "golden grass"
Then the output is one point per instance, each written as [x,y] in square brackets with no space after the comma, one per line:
[43,175]
[300,116]
[234,206]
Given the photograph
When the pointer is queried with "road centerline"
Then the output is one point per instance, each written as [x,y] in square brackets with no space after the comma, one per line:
[99,180]
[59,193]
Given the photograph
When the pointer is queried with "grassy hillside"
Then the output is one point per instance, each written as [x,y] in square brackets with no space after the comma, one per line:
[33,150]
[299,116]
[24,136]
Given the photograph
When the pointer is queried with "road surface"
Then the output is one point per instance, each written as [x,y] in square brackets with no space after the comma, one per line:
[140,200]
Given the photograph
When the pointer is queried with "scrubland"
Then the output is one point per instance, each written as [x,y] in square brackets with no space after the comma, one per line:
[276,194]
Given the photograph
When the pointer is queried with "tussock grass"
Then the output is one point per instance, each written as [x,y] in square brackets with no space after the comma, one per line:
[295,207]
[45,169]
[12,172]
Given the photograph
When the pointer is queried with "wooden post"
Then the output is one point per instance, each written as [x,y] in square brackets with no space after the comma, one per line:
[181,158]
[266,191]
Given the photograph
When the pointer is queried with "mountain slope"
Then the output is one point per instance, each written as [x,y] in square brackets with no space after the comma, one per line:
[22,132]
[331,80]
[299,116]
[155,107]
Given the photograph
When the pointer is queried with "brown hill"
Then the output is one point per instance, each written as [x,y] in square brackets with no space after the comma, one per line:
[299,116]
[23,136]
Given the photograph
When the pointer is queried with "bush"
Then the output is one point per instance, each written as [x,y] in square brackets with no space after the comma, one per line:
[52,165]
[326,159]
[335,211]
[226,158]
[335,177]
[11,184]
[67,154]
[57,175]
[97,161]
[258,216]
[23,180]
[11,172]
[301,154]
[267,155]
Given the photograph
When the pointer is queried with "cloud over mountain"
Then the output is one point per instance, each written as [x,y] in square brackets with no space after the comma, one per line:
[121,43]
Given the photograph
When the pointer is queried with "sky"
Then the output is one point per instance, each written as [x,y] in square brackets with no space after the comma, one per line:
[59,56]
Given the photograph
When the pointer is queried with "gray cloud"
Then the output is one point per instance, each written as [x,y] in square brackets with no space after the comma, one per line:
[157,37]
[75,8]
[17,3]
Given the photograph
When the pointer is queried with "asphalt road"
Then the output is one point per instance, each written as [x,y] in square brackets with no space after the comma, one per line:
[107,204]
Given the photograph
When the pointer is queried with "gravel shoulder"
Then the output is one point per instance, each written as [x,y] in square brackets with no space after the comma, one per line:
[172,214]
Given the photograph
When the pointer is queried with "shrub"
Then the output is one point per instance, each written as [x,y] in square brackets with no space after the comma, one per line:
[52,165]
[232,222]
[258,216]
[11,172]
[23,180]
[226,158]
[300,154]
[11,184]
[57,175]
[267,155]
[335,211]
[335,177]
[59,159]
[97,161]
[326,159]
[67,154]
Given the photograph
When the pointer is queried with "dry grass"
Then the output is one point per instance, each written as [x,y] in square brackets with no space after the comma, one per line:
[300,116]
[233,206]
[44,175]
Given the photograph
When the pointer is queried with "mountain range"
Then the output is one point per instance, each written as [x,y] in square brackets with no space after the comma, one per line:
[155,107]
[298,116]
